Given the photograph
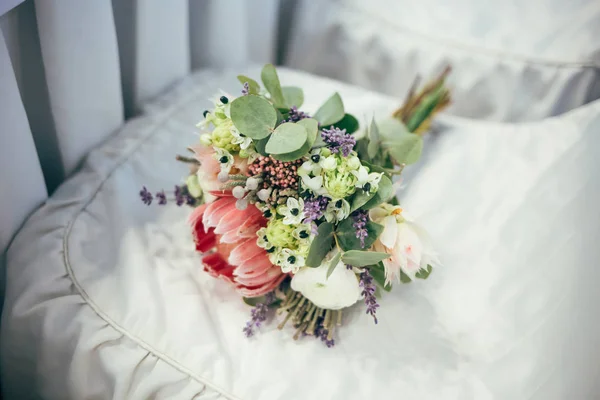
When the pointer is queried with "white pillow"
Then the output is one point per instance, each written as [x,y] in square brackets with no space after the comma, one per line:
[512,61]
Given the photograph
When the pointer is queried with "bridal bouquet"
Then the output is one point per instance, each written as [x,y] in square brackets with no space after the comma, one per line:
[298,212]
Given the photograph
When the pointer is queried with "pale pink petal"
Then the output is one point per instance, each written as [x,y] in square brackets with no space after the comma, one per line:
[390,231]
[244,251]
[214,214]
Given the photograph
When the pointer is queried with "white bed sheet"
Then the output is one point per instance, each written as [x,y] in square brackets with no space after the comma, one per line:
[106,297]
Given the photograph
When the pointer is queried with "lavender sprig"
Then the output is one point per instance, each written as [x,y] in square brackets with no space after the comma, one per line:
[162,198]
[258,315]
[338,140]
[360,225]
[314,208]
[296,115]
[322,333]
[146,196]
[246,89]
[368,292]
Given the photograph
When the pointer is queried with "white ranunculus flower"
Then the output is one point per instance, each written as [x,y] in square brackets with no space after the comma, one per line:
[407,243]
[338,291]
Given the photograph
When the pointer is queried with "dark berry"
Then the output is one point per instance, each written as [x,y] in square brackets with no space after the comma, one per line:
[339,203]
[223,159]
[291,259]
[270,250]
[205,113]
[367,187]
[268,214]
[294,211]
[224,100]
[303,234]
[315,158]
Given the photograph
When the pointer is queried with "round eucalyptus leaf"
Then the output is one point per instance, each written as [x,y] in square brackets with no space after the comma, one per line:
[331,111]
[288,137]
[253,116]
[294,96]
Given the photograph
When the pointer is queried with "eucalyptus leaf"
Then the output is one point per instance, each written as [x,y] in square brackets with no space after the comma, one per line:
[294,96]
[361,147]
[405,149]
[331,111]
[377,271]
[360,199]
[346,234]
[253,301]
[424,273]
[390,128]
[286,138]
[319,142]
[260,145]
[374,146]
[404,278]
[253,116]
[312,129]
[376,168]
[271,81]
[384,193]
[348,122]
[358,258]
[252,84]
[334,262]
[320,245]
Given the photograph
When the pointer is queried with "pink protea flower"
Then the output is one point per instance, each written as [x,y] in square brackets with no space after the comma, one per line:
[210,168]
[229,235]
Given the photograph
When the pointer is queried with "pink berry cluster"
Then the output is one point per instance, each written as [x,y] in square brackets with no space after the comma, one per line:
[276,174]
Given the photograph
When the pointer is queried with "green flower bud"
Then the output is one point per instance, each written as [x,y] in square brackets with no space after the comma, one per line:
[193,186]
[339,183]
[280,234]
[222,137]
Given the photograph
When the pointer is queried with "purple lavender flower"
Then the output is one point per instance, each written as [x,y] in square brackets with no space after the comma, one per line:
[338,140]
[322,333]
[295,115]
[180,195]
[162,198]
[146,196]
[360,224]
[246,89]
[314,208]
[258,315]
[368,291]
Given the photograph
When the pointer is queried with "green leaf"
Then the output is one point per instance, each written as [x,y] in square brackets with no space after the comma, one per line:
[347,239]
[320,245]
[384,193]
[358,258]
[405,148]
[331,111]
[319,142]
[334,262]
[376,168]
[348,122]
[404,278]
[424,273]
[252,301]
[252,84]
[260,145]
[378,273]
[271,81]
[425,108]
[374,146]
[253,116]
[286,138]
[361,148]
[390,128]
[360,199]
[294,96]
[311,127]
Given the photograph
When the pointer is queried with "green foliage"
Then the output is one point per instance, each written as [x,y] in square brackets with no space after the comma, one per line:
[348,122]
[253,116]
[331,111]
[286,138]
[260,145]
[294,96]
[252,84]
[320,245]
[271,81]
[360,199]
[378,273]
[405,149]
[384,193]
[404,278]
[334,262]
[425,108]
[358,258]
[424,273]
[253,301]
[346,235]
[312,128]
[374,147]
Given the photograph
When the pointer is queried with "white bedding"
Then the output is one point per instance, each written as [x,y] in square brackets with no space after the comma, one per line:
[106,297]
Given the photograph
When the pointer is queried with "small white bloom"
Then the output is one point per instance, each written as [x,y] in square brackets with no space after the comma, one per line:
[329,163]
[263,194]
[302,232]
[262,239]
[369,182]
[314,184]
[337,210]
[224,158]
[238,192]
[251,183]
[338,291]
[353,162]
[290,261]
[293,211]
[238,138]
